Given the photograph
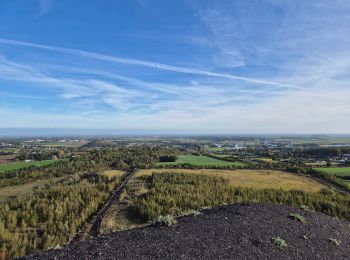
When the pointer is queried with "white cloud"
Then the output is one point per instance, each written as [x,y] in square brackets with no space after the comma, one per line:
[149,64]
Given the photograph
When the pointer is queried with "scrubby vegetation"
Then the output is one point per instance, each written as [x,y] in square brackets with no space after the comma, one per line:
[51,217]
[335,242]
[167,220]
[173,193]
[297,217]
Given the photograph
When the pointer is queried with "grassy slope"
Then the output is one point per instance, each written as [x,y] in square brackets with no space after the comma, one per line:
[201,161]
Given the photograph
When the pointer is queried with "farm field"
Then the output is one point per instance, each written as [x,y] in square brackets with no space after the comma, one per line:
[114,173]
[17,191]
[217,149]
[341,171]
[18,165]
[7,158]
[256,179]
[200,161]
[320,141]
[63,144]
[268,160]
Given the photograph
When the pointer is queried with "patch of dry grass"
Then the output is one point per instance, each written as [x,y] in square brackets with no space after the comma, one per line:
[12,192]
[114,173]
[257,179]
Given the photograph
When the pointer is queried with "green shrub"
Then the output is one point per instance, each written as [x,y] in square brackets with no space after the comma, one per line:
[297,217]
[335,242]
[167,220]
[305,208]
[279,242]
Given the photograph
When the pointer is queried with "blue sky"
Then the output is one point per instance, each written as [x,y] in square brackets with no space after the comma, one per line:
[235,66]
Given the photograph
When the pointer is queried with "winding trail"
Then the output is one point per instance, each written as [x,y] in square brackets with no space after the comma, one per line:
[92,227]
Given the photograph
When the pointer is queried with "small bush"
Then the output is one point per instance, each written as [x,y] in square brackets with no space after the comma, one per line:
[191,212]
[305,208]
[279,242]
[167,220]
[297,217]
[305,237]
[335,242]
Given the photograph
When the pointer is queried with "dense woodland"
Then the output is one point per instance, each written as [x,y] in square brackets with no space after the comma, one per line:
[174,193]
[50,217]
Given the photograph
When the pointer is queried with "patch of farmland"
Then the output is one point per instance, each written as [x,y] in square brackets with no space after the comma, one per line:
[340,171]
[18,165]
[200,161]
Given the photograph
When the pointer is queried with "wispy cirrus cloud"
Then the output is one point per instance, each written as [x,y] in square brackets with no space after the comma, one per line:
[149,64]
[278,68]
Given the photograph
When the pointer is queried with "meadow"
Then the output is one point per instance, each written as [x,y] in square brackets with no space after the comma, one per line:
[18,165]
[114,173]
[217,149]
[204,161]
[268,160]
[255,179]
[340,171]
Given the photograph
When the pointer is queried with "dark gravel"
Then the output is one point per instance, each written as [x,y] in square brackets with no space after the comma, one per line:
[230,232]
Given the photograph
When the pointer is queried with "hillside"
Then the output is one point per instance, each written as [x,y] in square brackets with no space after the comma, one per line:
[235,232]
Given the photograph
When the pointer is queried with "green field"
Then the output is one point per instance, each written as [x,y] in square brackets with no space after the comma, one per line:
[316,140]
[341,171]
[195,160]
[18,165]
[217,149]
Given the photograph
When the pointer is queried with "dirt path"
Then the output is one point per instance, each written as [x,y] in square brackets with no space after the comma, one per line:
[93,226]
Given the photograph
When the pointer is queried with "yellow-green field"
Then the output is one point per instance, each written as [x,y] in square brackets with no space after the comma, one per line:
[268,160]
[257,179]
[114,173]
